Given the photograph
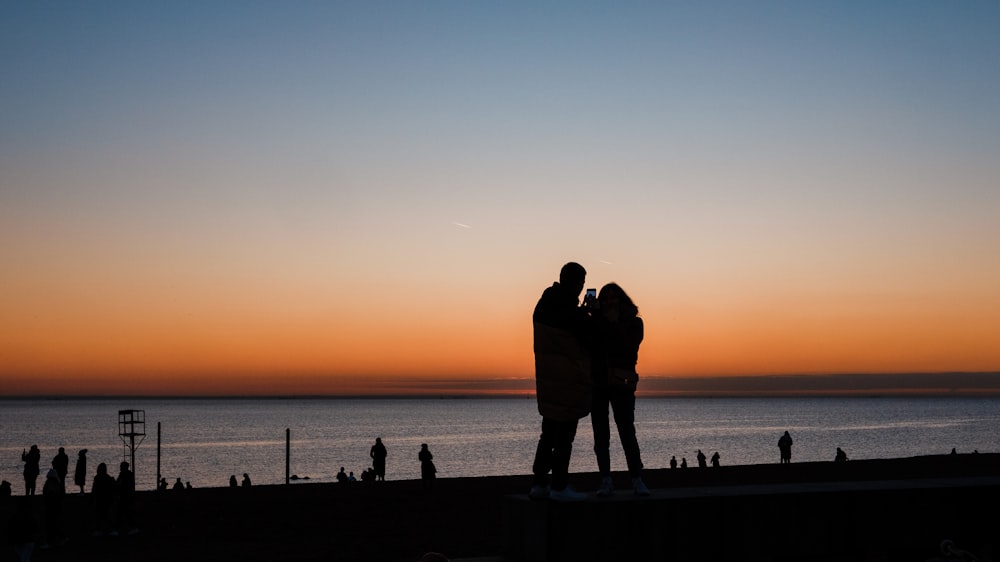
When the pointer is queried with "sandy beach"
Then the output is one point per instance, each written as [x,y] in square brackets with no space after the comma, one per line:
[396,520]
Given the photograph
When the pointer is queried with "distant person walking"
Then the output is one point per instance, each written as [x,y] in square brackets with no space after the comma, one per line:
[378,453]
[619,331]
[563,338]
[716,460]
[701,459]
[80,471]
[31,458]
[427,469]
[785,447]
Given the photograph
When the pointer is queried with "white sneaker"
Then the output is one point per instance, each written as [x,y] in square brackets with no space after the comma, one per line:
[640,487]
[567,494]
[607,487]
[539,492]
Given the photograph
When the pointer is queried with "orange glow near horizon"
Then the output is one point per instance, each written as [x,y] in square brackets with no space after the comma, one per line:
[267,350]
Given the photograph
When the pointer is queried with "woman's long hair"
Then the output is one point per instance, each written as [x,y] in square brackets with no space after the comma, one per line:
[626,308]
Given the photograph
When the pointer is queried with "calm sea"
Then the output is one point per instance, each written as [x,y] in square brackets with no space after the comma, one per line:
[205,441]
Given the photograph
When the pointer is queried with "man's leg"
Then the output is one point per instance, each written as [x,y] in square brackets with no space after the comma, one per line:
[562,450]
[543,454]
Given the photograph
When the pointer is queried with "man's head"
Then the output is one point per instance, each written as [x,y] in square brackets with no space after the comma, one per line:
[573,276]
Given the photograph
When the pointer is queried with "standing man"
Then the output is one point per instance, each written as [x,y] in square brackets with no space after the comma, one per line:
[378,455]
[80,472]
[562,341]
[61,464]
[125,486]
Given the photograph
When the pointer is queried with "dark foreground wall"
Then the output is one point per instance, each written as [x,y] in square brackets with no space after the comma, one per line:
[892,509]
[832,521]
[878,513]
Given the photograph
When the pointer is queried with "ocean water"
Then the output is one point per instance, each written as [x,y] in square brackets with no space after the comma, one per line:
[204,441]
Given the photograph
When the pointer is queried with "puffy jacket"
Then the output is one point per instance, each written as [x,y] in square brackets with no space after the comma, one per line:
[562,334]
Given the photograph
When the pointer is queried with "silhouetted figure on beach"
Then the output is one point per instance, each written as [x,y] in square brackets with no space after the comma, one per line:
[52,499]
[61,463]
[716,460]
[21,529]
[785,447]
[563,339]
[368,475]
[125,486]
[673,461]
[162,485]
[701,459]
[80,471]
[31,458]
[684,462]
[5,490]
[841,455]
[246,480]
[619,331]
[233,483]
[103,492]
[342,475]
[378,454]
[427,468]
[351,478]
[178,484]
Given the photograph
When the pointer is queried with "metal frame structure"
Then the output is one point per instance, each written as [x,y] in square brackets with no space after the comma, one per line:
[131,424]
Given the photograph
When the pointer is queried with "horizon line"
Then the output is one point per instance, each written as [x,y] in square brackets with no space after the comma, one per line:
[943,384]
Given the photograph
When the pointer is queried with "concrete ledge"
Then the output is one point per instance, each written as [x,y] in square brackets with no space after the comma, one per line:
[859,520]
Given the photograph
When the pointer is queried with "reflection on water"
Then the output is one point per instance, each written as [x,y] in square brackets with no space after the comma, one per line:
[204,441]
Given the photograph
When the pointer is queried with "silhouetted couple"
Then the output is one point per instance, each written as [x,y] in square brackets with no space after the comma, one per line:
[585,359]
[785,448]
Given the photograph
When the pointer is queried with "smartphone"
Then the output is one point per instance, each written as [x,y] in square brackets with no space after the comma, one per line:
[591,294]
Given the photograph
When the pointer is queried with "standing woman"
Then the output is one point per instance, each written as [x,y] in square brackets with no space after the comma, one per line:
[427,468]
[32,458]
[620,331]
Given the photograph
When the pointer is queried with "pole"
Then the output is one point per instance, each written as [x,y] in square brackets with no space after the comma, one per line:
[157,483]
[288,453]
[132,448]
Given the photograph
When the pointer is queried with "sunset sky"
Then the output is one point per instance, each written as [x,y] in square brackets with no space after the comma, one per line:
[323,197]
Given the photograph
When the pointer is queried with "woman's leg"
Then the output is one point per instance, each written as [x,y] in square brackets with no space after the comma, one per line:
[623,405]
[602,430]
